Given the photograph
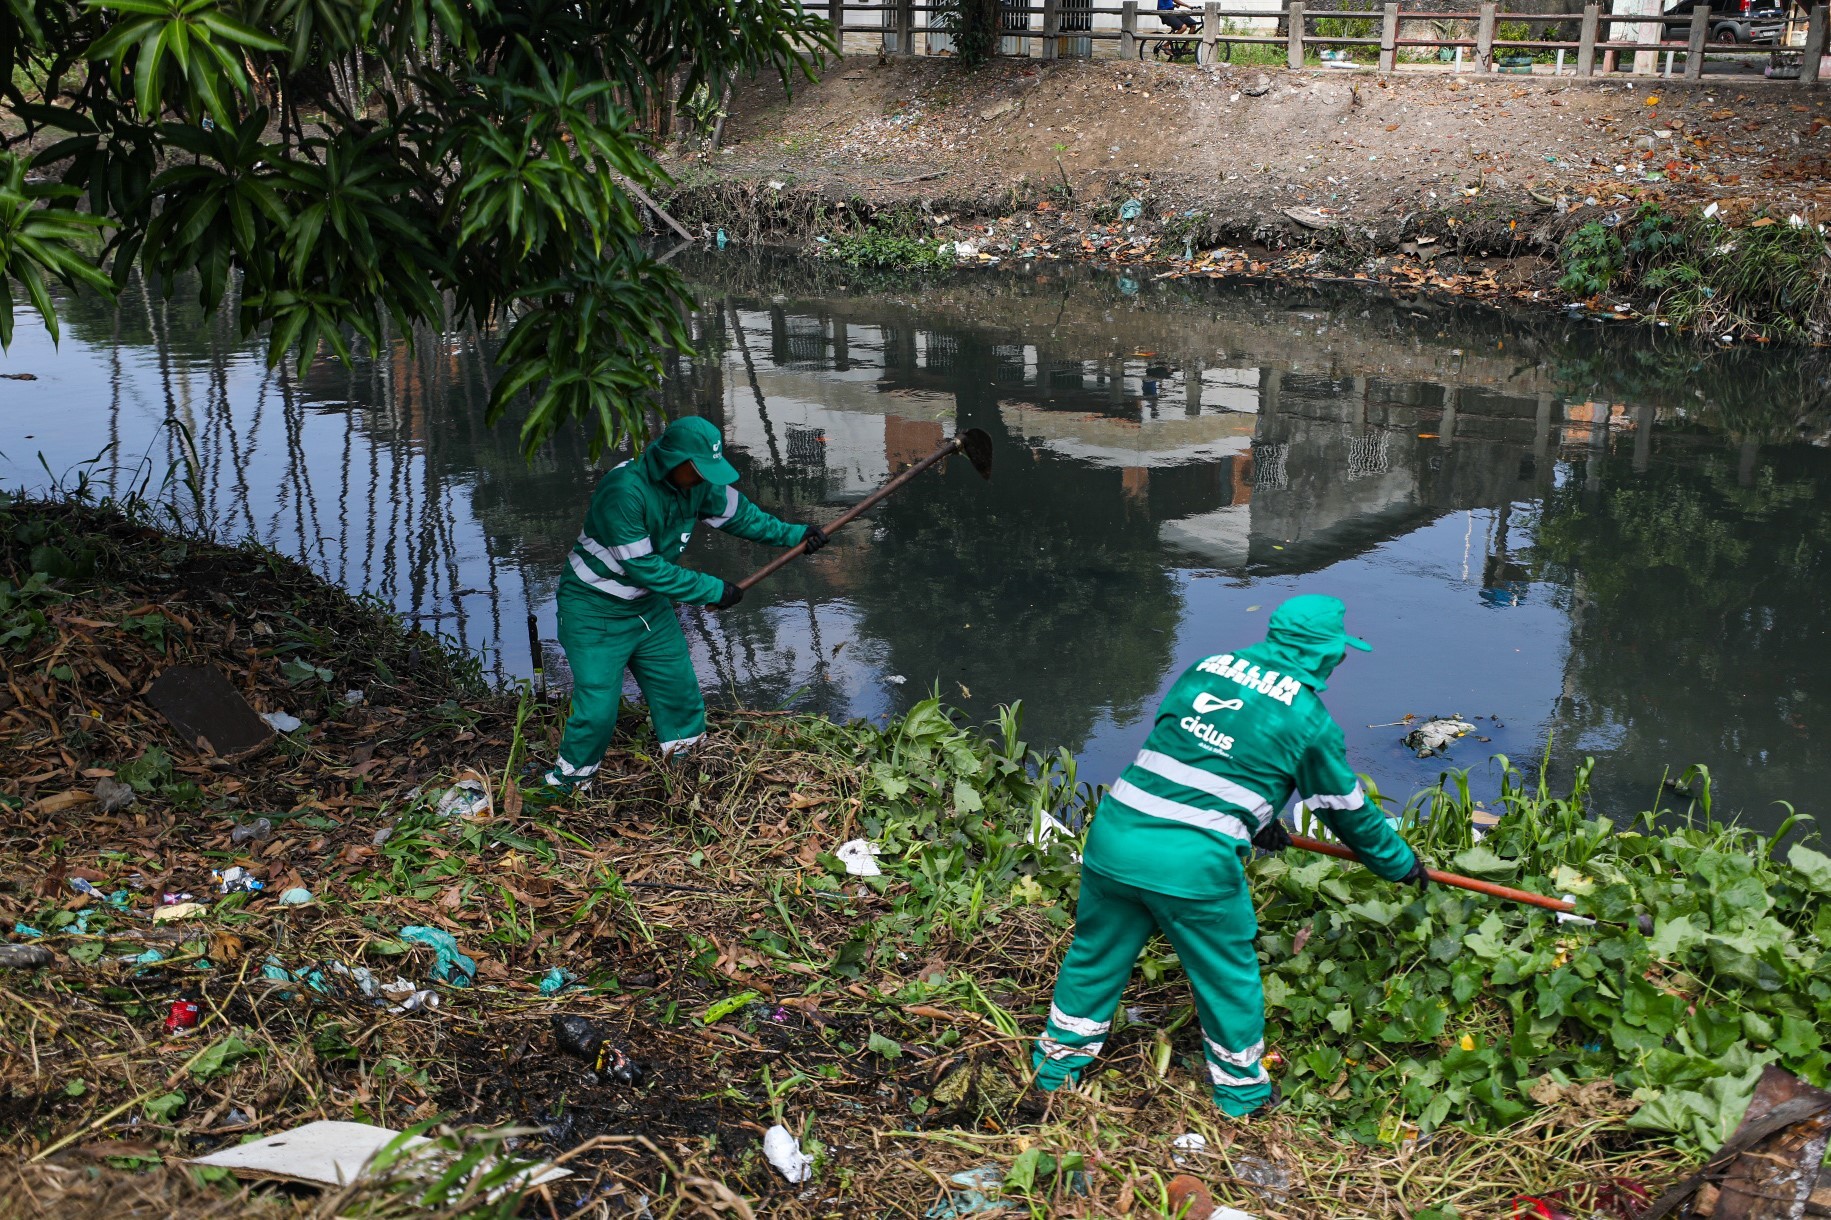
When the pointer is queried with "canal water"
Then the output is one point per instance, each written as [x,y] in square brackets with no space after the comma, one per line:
[1589,541]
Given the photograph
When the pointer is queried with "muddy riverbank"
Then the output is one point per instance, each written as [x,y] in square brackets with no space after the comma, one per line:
[1465,184]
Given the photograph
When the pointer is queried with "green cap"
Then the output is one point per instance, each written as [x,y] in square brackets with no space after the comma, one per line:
[696,440]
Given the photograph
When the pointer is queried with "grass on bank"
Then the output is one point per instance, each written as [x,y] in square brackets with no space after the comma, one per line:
[1440,1053]
[1771,277]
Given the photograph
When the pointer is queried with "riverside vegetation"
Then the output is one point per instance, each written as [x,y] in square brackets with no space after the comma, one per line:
[1440,1052]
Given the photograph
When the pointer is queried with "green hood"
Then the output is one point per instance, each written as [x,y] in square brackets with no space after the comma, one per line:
[1306,639]
[690,439]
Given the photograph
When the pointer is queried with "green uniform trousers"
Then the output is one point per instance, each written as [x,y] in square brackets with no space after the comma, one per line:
[602,639]
[1213,937]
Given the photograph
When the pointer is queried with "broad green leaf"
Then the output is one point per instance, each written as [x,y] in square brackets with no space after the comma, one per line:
[1813,866]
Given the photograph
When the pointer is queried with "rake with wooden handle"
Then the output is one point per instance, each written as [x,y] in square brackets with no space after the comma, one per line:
[1321,848]
[975,444]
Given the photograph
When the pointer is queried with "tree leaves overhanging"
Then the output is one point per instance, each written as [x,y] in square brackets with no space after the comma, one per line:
[366,166]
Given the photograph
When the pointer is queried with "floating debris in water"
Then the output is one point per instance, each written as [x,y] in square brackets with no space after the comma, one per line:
[1434,736]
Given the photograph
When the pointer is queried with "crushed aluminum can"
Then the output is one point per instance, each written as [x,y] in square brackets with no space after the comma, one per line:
[184,1015]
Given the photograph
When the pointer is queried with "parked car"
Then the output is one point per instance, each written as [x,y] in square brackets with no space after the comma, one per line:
[1733,20]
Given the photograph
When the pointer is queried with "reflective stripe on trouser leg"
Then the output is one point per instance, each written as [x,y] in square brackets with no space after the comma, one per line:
[598,646]
[664,670]
[1110,928]
[1214,937]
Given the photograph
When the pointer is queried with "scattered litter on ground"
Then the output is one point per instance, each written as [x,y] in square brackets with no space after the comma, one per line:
[1189,1198]
[454,968]
[556,980]
[113,796]
[417,1001]
[251,832]
[585,1039]
[1269,1178]
[1189,1141]
[327,1153]
[236,880]
[297,896]
[281,722]
[1571,917]
[207,712]
[174,911]
[784,1152]
[182,1015]
[468,797]
[860,857]
[977,1195]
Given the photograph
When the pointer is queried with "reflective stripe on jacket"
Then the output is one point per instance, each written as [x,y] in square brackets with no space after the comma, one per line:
[638,525]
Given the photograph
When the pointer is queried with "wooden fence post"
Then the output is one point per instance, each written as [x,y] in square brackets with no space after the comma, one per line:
[1484,37]
[1694,45]
[1586,40]
[1813,54]
[1295,58]
[1128,30]
[836,13]
[1389,38]
[1052,28]
[905,27]
[1211,27]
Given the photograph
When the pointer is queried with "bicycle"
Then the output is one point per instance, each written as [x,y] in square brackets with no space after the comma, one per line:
[1186,47]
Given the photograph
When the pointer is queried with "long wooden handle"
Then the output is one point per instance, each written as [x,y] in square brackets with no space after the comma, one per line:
[863,506]
[1441,878]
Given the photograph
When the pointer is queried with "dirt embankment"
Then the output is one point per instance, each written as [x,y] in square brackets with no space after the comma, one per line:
[1403,168]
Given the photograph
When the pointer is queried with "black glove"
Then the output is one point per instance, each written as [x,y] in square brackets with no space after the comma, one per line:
[1274,837]
[732,595]
[1418,876]
[814,539]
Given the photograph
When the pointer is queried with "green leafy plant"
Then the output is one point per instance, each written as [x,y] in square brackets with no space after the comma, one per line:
[881,249]
[1406,1011]
[1592,257]
[369,170]
[39,239]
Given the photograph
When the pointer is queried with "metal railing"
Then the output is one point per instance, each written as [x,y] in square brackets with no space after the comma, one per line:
[1048,30]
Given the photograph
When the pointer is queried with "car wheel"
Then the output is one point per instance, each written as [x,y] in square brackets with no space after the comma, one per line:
[1728,34]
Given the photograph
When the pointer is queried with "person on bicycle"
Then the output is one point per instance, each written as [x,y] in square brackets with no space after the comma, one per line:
[1175,22]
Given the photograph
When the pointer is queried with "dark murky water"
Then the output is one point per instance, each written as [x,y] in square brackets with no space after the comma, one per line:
[1614,545]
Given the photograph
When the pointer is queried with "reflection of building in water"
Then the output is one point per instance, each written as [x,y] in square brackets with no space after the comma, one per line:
[1257,460]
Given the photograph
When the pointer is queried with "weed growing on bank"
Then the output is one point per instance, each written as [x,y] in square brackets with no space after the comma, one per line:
[1772,277]
[886,249]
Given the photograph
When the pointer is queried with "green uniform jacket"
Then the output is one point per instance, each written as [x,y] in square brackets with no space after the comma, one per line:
[1237,735]
[638,525]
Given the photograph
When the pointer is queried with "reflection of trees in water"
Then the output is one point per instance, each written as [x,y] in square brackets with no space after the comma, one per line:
[1696,593]
[1040,572]
[1772,397]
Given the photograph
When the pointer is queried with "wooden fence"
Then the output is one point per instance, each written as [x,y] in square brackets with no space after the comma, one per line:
[1049,30]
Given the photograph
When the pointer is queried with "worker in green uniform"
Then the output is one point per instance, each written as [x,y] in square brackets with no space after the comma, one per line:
[617,595]
[1237,735]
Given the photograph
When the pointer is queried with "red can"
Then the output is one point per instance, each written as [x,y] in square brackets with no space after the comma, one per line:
[183,1015]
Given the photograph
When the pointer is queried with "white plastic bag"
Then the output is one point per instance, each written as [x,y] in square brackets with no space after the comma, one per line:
[784,1152]
[860,857]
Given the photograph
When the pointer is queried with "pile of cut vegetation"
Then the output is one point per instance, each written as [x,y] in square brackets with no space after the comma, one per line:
[1440,1054]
